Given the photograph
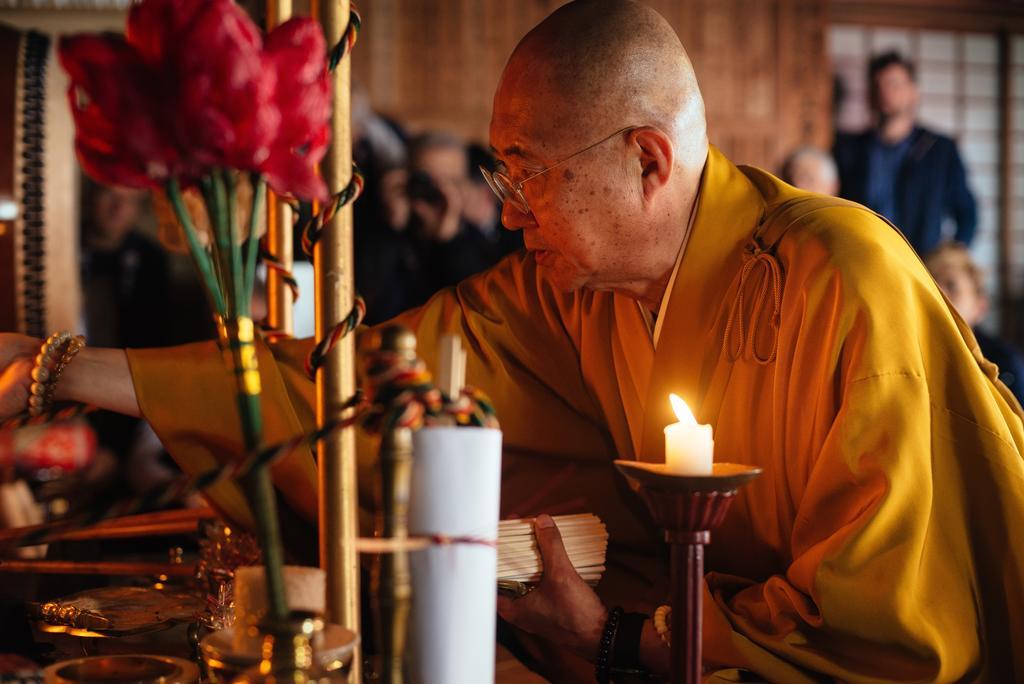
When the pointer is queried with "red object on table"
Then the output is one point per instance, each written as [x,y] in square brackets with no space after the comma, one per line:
[67,447]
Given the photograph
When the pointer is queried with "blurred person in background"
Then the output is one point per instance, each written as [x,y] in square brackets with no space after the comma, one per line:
[125,276]
[132,296]
[434,226]
[963,283]
[378,143]
[909,174]
[812,169]
[482,215]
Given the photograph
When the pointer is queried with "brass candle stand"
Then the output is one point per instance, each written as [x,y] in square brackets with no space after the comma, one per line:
[687,508]
[287,653]
[393,581]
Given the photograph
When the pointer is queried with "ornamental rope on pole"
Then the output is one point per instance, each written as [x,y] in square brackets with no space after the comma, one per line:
[335,300]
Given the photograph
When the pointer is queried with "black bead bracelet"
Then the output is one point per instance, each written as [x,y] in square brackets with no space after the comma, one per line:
[602,663]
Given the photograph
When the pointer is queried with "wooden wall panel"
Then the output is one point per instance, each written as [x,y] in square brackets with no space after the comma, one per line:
[761,64]
[949,15]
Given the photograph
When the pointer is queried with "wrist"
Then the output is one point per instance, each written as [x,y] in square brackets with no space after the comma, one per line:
[54,356]
[74,383]
[655,655]
[591,637]
[100,377]
[603,654]
[62,391]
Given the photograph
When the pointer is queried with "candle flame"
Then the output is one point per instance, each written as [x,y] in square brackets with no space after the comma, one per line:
[682,411]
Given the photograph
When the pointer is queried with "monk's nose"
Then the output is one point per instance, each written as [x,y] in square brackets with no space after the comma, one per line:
[514,219]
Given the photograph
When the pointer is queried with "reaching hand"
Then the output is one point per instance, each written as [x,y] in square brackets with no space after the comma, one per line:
[563,608]
[16,355]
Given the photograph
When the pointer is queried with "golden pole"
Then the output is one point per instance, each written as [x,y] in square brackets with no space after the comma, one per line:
[279,223]
[279,229]
[335,382]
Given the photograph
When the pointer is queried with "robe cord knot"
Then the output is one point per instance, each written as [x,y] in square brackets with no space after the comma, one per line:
[761,270]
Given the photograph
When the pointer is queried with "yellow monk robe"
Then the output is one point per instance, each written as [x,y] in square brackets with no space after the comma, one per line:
[881,543]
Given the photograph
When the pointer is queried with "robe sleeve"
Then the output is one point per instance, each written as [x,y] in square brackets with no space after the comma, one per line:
[864,591]
[896,542]
[519,351]
[903,563]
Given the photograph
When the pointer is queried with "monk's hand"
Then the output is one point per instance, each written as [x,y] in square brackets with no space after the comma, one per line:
[562,608]
[16,356]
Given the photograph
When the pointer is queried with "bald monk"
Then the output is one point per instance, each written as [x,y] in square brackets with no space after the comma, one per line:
[882,541]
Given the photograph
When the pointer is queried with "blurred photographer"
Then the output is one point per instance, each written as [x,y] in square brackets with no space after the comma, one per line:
[435,228]
[436,186]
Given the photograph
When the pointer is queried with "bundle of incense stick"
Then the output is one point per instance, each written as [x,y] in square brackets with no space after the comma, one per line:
[584,536]
[451,370]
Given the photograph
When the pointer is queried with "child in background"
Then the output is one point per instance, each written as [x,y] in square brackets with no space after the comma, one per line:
[963,282]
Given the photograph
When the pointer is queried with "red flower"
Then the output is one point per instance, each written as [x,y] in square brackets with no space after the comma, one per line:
[154,27]
[119,136]
[192,88]
[297,51]
[211,55]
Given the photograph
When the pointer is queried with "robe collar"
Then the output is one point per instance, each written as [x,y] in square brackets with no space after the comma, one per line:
[730,209]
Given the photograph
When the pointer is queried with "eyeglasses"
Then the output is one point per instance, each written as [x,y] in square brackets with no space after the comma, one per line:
[508,190]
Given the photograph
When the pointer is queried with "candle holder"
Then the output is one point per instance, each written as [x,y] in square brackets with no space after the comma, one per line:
[687,508]
[392,581]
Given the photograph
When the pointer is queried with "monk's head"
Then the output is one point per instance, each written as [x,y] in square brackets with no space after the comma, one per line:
[610,72]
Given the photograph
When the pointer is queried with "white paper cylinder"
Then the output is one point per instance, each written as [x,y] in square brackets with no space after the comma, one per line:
[456,487]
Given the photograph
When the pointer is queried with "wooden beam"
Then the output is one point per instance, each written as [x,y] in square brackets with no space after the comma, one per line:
[946,15]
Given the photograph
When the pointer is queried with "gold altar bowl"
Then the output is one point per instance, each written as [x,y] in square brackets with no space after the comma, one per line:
[332,651]
[142,669]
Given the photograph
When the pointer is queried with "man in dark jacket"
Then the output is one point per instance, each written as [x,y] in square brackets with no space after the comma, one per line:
[907,173]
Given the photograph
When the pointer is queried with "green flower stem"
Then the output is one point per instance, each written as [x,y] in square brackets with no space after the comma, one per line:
[259,194]
[258,483]
[221,217]
[210,202]
[199,255]
[242,305]
[262,496]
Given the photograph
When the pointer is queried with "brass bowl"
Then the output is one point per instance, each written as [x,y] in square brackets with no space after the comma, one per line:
[140,669]
[224,661]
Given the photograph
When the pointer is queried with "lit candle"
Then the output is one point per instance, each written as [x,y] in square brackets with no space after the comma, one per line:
[688,445]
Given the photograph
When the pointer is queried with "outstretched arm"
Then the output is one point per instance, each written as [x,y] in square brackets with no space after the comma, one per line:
[99,377]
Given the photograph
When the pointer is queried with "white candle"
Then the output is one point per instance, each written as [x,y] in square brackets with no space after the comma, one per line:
[688,445]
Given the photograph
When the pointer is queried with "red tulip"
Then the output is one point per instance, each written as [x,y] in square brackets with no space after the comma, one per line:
[297,51]
[211,56]
[193,87]
[119,136]
[155,27]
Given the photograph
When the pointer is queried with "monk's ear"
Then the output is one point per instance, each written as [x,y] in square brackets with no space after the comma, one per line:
[656,158]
